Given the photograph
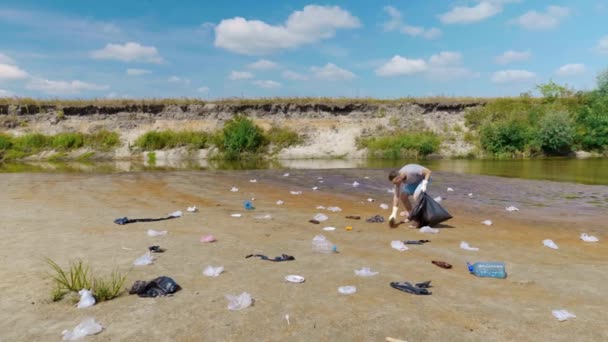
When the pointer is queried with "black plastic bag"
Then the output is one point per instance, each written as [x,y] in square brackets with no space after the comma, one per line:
[160,286]
[427,212]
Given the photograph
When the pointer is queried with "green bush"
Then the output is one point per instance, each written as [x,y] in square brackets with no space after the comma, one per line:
[402,144]
[556,133]
[102,140]
[504,137]
[31,142]
[240,135]
[6,142]
[67,141]
[283,137]
[592,123]
[160,140]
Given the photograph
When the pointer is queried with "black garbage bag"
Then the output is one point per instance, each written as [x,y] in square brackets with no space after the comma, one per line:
[427,212]
[160,286]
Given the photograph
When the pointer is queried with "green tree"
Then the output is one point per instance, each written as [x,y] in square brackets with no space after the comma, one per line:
[552,91]
[556,133]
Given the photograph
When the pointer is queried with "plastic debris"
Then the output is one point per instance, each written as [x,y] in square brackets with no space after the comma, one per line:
[208,238]
[348,228]
[390,191]
[143,260]
[192,209]
[366,177]
[329,229]
[370,200]
[320,217]
[213,271]
[263,217]
[88,326]
[248,205]
[438,199]
[365,272]
[236,215]
[234,189]
[293,278]
[334,209]
[320,244]
[487,222]
[347,289]
[86,299]
[279,202]
[315,187]
[239,302]
[356,184]
[562,315]
[470,195]
[286,175]
[253,181]
[399,245]
[287,319]
[429,230]
[375,219]
[176,214]
[465,245]
[384,206]
[321,181]
[511,208]
[450,189]
[589,238]
[549,243]
[295,192]
[156,249]
[154,233]
[320,207]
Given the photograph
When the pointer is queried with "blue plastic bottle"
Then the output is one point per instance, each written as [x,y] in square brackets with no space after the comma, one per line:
[488,269]
[248,205]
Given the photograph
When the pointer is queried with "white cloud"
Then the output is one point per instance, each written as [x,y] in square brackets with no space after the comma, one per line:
[513,76]
[293,76]
[177,79]
[446,65]
[263,64]
[5,93]
[203,90]
[548,20]
[240,75]
[331,72]
[4,59]
[267,84]
[137,72]
[255,37]
[512,56]
[467,15]
[396,23]
[602,45]
[128,52]
[570,70]
[400,66]
[63,87]
[446,58]
[11,72]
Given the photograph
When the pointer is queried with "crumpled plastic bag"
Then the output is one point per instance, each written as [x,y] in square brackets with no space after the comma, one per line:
[146,259]
[438,199]
[465,245]
[383,206]
[234,189]
[86,299]
[88,326]
[211,271]
[263,217]
[192,209]
[295,192]
[429,230]
[365,272]
[487,222]
[399,245]
[334,209]
[279,202]
[347,289]
[320,217]
[176,214]
[549,243]
[511,208]
[161,286]
[356,184]
[154,233]
[239,302]
[589,238]
[562,315]
[208,238]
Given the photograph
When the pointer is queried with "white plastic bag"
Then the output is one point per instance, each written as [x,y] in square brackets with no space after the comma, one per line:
[295,192]
[320,244]
[438,199]
[279,202]
[334,209]
[329,229]
[315,187]
[511,208]
[562,315]
[253,181]
[154,233]
[429,230]
[88,326]
[399,245]
[192,209]
[487,222]
[239,302]
[355,184]
[347,289]
[211,271]
[176,214]
[365,272]
[320,217]
[450,190]
[465,245]
[286,175]
[236,215]
[549,243]
[589,238]
[143,260]
[384,206]
[370,200]
[263,217]
[86,299]
[234,189]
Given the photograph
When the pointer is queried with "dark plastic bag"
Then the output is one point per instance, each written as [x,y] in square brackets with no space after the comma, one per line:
[427,212]
[160,286]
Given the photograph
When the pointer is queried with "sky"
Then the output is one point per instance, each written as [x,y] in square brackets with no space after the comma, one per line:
[382,49]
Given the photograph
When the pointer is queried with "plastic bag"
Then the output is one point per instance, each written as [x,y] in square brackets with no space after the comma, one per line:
[263,217]
[383,206]
[239,302]
[365,272]
[429,230]
[511,208]
[192,209]
[279,202]
[589,238]
[355,184]
[86,299]
[295,192]
[88,326]
[161,286]
[465,245]
[549,243]
[347,289]
[487,222]
[562,315]
[427,212]
[208,238]
[320,244]
[438,199]
[334,209]
[320,217]
[145,259]
[234,189]
[399,245]
[211,271]
[154,233]
[176,214]
[236,215]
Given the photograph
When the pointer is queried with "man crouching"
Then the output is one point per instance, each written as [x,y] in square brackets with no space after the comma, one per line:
[410,180]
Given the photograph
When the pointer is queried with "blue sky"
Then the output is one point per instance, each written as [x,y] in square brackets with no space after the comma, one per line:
[154,48]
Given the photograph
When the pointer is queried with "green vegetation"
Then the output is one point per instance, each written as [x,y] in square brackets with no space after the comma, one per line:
[282,137]
[396,145]
[151,158]
[79,276]
[240,136]
[159,140]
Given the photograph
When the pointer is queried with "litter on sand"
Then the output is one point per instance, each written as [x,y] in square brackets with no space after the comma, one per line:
[329,229]
[263,217]
[320,244]
[353,217]
[156,249]
[283,257]
[438,199]
[384,206]
[427,212]
[154,233]
[320,207]
[88,326]
[562,315]
[375,219]
[416,242]
[315,187]
[208,238]
[253,181]
[143,260]
[399,245]
[347,289]
[370,200]
[320,217]
[465,245]
[417,289]
[356,184]
[279,202]
[429,230]
[248,205]
[511,208]
[239,302]
[176,214]
[286,175]
[295,192]
[192,209]
[213,271]
[161,286]
[441,264]
[236,215]
[365,272]
[334,209]
[234,189]
[293,278]
[86,299]
[126,220]
[549,243]
[486,222]
[470,195]
[450,189]
[589,238]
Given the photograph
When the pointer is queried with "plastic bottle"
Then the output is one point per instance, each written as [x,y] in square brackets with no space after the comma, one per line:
[321,245]
[488,269]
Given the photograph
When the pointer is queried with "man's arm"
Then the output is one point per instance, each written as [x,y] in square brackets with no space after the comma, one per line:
[396,195]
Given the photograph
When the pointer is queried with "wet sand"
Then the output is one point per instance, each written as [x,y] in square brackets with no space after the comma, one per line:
[69,216]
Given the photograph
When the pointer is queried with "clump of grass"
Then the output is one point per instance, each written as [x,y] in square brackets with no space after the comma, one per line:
[110,288]
[283,137]
[402,144]
[159,140]
[152,158]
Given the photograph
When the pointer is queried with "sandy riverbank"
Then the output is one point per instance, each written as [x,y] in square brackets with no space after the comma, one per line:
[68,216]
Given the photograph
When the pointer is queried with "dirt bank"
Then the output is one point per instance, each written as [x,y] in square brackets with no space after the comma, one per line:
[67,216]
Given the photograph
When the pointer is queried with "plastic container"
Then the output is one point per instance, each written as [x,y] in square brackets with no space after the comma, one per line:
[321,245]
[248,205]
[488,269]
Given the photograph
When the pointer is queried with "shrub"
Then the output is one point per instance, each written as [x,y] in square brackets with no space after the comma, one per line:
[67,141]
[283,137]
[501,137]
[240,135]
[6,141]
[102,140]
[31,142]
[556,133]
[592,123]
[400,144]
[151,141]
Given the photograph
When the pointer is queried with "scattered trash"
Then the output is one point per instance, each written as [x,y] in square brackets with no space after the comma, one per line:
[320,217]
[293,278]
[315,187]
[263,217]
[154,233]
[384,206]
[192,209]
[253,181]
[283,257]
[347,289]
[286,175]
[562,315]
[314,221]
[390,191]
[161,286]
[375,219]
[287,318]
[234,189]
[320,207]
[295,192]
[442,264]
[126,220]
[143,260]
[329,229]
[487,222]
[366,177]
[356,184]
[211,271]
[86,299]
[465,245]
[208,238]
[236,215]
[156,249]
[488,269]
[239,302]
[589,238]
[176,214]
[427,212]
[248,205]
[416,242]
[450,189]
[252,198]
[334,209]
[88,326]
[348,228]
[399,245]
[365,272]
[321,181]
[370,200]
[320,244]
[470,195]
[353,217]
[417,289]
[511,208]
[279,202]
[429,230]
[549,243]
[438,199]
[126,248]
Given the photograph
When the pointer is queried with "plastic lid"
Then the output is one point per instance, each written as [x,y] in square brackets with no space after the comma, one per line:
[470,267]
